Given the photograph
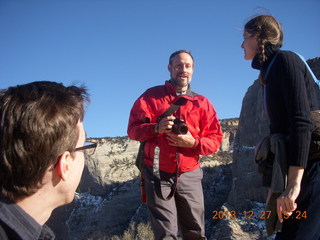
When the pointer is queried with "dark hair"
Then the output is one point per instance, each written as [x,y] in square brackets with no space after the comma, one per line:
[38,122]
[268,30]
[177,53]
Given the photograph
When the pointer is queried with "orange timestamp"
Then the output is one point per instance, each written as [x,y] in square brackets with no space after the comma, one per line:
[244,214]
[264,214]
[297,215]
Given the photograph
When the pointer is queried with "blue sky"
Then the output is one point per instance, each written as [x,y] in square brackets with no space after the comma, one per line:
[119,48]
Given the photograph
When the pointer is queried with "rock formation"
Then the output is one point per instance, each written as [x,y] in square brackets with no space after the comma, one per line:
[107,205]
[315,66]
[253,125]
[107,202]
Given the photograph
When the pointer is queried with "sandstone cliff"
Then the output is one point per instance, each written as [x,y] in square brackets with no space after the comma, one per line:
[107,205]
[107,202]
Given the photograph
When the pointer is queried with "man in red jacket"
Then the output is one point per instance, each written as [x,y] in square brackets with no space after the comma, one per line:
[175,153]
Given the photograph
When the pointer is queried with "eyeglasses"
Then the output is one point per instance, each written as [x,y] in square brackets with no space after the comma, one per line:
[88,148]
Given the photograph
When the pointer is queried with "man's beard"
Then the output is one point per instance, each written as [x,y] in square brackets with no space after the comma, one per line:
[180,83]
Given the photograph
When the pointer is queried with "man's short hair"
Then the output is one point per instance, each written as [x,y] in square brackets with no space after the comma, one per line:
[38,122]
[177,53]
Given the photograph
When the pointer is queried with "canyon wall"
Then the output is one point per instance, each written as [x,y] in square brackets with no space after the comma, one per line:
[107,204]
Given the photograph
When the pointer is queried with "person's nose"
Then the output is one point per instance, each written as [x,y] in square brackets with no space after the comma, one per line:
[242,45]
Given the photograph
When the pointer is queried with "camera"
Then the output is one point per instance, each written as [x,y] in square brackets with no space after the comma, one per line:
[179,126]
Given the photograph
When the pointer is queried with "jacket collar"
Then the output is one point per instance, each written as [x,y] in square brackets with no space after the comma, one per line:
[172,91]
[271,51]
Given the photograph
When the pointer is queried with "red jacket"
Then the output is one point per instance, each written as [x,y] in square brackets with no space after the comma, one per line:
[198,114]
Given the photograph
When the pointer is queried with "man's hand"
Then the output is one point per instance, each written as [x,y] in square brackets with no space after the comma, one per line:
[165,125]
[181,140]
[177,140]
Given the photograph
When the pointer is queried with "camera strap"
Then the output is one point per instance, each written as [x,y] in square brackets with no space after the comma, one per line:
[174,107]
[156,164]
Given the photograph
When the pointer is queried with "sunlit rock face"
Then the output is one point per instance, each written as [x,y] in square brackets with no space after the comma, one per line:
[108,197]
[107,202]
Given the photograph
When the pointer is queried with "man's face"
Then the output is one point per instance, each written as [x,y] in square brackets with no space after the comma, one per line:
[181,69]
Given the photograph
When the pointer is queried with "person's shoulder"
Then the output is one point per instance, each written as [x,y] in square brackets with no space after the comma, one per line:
[155,90]
[201,98]
[287,55]
[289,60]
[159,90]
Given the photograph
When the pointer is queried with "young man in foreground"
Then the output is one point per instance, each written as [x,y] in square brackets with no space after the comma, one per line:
[41,155]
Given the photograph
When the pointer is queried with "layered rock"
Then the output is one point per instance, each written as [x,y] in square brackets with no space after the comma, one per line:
[108,198]
[315,66]
[108,202]
[253,125]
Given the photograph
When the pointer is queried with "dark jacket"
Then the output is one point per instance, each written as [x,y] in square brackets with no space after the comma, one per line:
[17,224]
[290,97]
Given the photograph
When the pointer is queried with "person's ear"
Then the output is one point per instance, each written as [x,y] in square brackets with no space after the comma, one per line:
[64,165]
[169,67]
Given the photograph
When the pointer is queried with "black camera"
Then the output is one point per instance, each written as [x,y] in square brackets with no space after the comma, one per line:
[179,126]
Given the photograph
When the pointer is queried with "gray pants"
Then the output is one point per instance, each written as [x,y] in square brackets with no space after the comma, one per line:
[185,209]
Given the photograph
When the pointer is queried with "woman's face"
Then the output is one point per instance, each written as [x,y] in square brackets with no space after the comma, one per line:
[250,45]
